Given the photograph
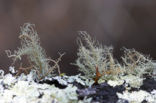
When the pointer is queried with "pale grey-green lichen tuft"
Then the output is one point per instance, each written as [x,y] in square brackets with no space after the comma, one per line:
[30,46]
[92,55]
[137,63]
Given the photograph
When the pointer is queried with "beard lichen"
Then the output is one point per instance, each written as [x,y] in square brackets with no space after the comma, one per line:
[97,61]
[36,56]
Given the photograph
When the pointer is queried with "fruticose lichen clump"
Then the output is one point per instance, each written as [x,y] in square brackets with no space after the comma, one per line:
[93,58]
[97,61]
[30,47]
[136,63]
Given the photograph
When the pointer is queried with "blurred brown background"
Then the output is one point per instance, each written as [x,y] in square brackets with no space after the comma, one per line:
[128,23]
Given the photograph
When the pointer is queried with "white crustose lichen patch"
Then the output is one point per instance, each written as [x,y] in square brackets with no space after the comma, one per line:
[24,89]
[133,81]
[115,83]
[138,96]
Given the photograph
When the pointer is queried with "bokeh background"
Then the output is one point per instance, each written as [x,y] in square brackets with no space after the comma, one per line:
[121,23]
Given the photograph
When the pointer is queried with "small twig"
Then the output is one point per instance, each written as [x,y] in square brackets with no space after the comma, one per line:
[56,62]
[53,67]
[98,76]
[22,69]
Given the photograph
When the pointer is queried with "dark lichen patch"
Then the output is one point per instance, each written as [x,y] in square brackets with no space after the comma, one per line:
[133,89]
[53,82]
[41,95]
[144,101]
[102,93]
[13,96]
[62,86]
[78,85]
[149,84]
[5,86]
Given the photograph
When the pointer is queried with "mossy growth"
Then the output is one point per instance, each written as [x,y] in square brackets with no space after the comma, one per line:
[97,61]
[30,47]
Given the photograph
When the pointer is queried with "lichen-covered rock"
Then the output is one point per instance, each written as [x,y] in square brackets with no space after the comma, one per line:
[24,89]
[73,89]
